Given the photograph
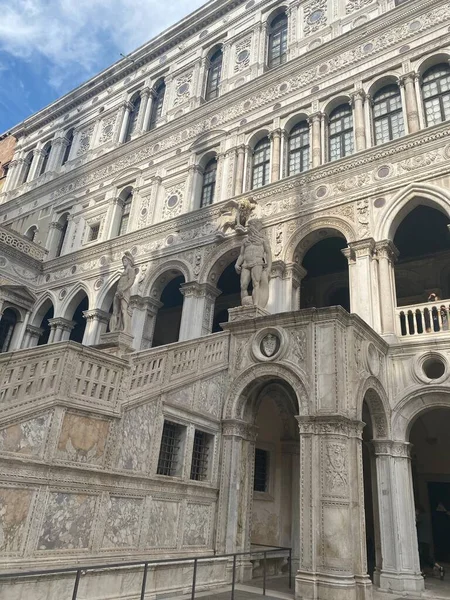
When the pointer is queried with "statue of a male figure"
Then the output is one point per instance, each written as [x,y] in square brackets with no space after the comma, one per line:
[121,319]
[254,264]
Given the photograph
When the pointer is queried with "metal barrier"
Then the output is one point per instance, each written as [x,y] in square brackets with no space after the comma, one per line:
[79,571]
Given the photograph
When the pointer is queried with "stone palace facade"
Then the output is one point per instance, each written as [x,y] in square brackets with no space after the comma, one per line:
[319,423]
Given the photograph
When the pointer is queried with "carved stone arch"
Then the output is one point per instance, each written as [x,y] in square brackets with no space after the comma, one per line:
[219,260]
[68,307]
[303,236]
[40,310]
[105,293]
[373,393]
[286,404]
[208,140]
[405,201]
[157,279]
[250,383]
[256,137]
[443,56]
[389,78]
[294,120]
[335,102]
[414,404]
[126,177]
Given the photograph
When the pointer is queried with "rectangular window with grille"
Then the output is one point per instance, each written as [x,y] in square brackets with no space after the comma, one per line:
[203,443]
[94,231]
[170,452]
[261,477]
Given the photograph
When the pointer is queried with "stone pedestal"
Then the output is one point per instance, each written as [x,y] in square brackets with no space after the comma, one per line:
[117,343]
[243,313]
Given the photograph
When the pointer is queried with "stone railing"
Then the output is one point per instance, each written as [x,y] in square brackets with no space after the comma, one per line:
[15,240]
[65,372]
[423,319]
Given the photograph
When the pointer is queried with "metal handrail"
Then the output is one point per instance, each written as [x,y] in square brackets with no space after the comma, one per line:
[79,571]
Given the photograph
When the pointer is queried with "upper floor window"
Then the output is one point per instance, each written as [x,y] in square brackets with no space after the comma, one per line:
[63,225]
[388,114]
[209,183]
[261,163]
[133,118]
[278,32]
[436,94]
[46,155]
[31,233]
[214,75]
[157,104]
[171,449]
[341,132]
[125,217]
[8,322]
[69,138]
[299,148]
[93,232]
[26,167]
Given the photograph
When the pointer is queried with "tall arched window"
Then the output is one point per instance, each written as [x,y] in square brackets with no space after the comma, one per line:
[46,155]
[31,232]
[278,31]
[436,94]
[261,163]
[209,183]
[125,217]
[69,138]
[299,148]
[214,75]
[388,114]
[133,118]
[157,104]
[26,168]
[63,223]
[8,322]
[341,132]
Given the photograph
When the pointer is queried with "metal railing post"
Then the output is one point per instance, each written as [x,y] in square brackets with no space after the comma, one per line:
[194,579]
[233,580]
[77,583]
[144,581]
[290,568]
[264,574]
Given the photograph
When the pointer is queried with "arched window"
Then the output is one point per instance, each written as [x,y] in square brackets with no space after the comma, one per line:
[31,233]
[157,104]
[278,31]
[261,163]
[388,114]
[436,94]
[69,138]
[299,148]
[8,322]
[209,183]
[125,217]
[26,168]
[46,155]
[63,223]
[341,132]
[133,118]
[214,75]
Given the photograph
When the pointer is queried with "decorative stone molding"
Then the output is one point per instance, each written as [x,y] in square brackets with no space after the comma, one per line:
[334,425]
[392,448]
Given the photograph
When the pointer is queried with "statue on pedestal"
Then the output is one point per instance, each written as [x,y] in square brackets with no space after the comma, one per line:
[254,265]
[121,318]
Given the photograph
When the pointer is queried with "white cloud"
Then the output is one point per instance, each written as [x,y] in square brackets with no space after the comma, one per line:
[76,38]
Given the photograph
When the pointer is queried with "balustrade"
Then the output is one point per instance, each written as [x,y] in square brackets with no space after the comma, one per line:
[422,319]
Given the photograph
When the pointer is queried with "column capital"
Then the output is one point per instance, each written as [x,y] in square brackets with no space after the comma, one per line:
[387,249]
[360,248]
[276,133]
[295,272]
[335,425]
[315,117]
[39,152]
[62,323]
[199,290]
[392,448]
[358,94]
[239,429]
[96,314]
[56,225]
[278,269]
[411,76]
[34,331]
[243,148]
[156,179]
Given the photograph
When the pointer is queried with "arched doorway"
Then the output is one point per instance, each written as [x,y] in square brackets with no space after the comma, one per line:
[230,296]
[74,312]
[8,324]
[326,282]
[168,318]
[373,544]
[44,324]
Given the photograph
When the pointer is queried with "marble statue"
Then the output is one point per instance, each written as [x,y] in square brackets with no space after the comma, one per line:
[121,319]
[254,265]
[236,214]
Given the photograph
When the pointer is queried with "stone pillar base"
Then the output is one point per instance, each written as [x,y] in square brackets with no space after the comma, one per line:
[117,343]
[309,586]
[399,582]
[243,313]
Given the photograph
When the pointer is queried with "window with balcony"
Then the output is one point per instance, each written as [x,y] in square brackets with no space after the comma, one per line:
[278,35]
[209,183]
[388,114]
[299,149]
[214,75]
[436,94]
[171,449]
[340,132]
[261,164]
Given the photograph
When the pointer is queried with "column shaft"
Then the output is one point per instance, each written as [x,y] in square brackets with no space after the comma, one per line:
[315,134]
[358,112]
[412,109]
[239,184]
[276,155]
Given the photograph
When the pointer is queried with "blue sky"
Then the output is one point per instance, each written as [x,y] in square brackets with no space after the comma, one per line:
[49,47]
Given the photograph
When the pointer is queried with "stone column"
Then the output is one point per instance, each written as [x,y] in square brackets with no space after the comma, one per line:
[144,320]
[198,309]
[122,123]
[38,157]
[315,121]
[19,333]
[387,255]
[148,110]
[275,138]
[113,218]
[31,337]
[411,105]
[240,170]
[277,297]
[194,187]
[290,512]
[14,170]
[53,238]
[59,146]
[75,144]
[229,174]
[96,323]
[400,567]
[363,288]
[358,114]
[332,540]
[60,329]
[145,101]
[220,177]
[293,276]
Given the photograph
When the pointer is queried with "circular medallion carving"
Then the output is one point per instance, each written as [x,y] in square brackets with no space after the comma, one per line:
[321,191]
[62,294]
[368,47]
[414,26]
[431,367]
[214,121]
[379,202]
[169,240]
[243,55]
[323,68]
[184,87]
[383,172]
[3,261]
[404,49]
[250,4]
[144,212]
[315,16]
[203,34]
[47,278]
[98,284]
[73,270]
[172,201]
[270,344]
[283,87]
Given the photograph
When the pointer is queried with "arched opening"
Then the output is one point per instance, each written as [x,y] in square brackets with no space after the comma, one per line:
[261,164]
[209,183]
[421,272]
[126,198]
[8,323]
[45,157]
[168,319]
[63,223]
[133,117]
[31,233]
[45,312]
[77,333]
[326,282]
[431,483]
[340,132]
[278,40]
[159,92]
[436,94]
[230,297]
[298,148]
[388,121]
[69,137]
[214,74]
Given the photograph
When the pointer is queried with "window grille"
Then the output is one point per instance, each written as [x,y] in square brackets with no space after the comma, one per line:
[260,482]
[278,33]
[214,75]
[341,132]
[299,148]
[388,115]
[436,94]
[200,456]
[209,183]
[170,448]
[261,163]
[94,231]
